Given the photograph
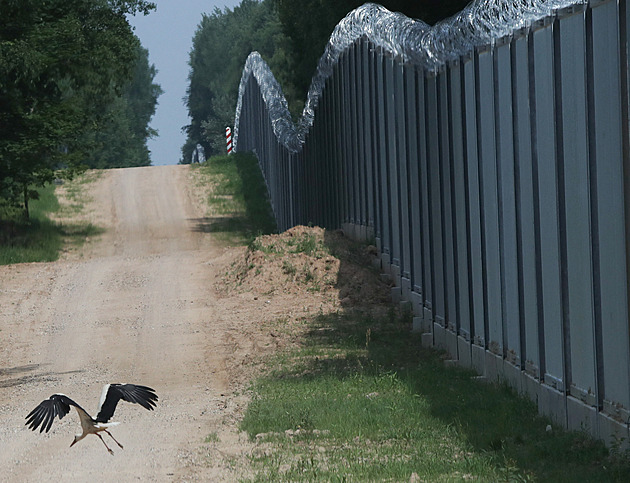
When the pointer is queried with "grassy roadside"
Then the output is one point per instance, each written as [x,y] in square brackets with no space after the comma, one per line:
[238,205]
[34,240]
[362,401]
[40,239]
[359,399]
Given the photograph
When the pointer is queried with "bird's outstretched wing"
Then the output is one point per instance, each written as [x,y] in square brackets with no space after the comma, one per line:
[44,414]
[112,393]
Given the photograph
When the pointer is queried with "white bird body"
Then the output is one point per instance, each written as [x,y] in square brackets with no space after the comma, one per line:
[59,405]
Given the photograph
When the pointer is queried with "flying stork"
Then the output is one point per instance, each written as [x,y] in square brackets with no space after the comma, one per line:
[59,405]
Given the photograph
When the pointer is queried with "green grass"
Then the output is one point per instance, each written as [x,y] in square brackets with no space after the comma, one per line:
[305,243]
[35,240]
[212,438]
[39,239]
[238,198]
[364,402]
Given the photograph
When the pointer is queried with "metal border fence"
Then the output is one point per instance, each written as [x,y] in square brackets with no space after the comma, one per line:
[496,190]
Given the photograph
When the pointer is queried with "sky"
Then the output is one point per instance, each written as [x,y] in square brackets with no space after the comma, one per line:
[167,33]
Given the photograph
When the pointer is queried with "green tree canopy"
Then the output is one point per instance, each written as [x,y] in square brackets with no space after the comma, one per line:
[62,62]
[308,25]
[289,34]
[221,44]
[121,140]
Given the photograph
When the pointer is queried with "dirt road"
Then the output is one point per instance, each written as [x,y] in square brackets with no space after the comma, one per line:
[136,305]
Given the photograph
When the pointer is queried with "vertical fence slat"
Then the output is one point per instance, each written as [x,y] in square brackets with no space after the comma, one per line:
[366,99]
[384,213]
[607,160]
[446,191]
[490,212]
[413,187]
[474,216]
[393,167]
[402,148]
[460,210]
[425,208]
[548,236]
[579,310]
[435,207]
[507,214]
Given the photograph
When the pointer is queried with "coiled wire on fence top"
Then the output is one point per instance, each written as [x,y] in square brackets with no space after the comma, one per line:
[481,22]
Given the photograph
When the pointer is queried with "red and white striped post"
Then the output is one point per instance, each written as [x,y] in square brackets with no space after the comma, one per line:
[228,139]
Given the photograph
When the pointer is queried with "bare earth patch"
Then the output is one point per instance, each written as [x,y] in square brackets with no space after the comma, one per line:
[154,300]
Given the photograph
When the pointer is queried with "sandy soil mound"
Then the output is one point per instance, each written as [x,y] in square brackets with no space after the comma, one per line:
[309,261]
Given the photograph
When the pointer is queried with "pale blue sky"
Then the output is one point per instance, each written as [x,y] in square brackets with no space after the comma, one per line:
[167,34]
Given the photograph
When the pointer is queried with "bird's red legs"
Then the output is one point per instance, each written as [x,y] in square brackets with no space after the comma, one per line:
[108,448]
[110,435]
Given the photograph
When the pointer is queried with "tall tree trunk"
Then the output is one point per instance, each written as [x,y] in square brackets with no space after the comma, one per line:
[26,212]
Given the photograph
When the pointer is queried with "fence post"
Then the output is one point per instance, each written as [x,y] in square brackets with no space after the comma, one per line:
[609,229]
[228,139]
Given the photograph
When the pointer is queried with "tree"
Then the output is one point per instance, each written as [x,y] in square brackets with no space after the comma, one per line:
[62,62]
[308,25]
[221,44]
[122,138]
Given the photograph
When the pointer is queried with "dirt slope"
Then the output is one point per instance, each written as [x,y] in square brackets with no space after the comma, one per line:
[156,301]
[135,305]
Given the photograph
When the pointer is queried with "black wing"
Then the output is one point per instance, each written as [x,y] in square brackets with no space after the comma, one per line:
[44,414]
[112,393]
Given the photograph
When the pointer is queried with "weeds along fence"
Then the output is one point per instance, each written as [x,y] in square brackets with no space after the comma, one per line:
[487,157]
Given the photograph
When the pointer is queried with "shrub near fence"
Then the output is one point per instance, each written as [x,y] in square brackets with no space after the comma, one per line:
[488,157]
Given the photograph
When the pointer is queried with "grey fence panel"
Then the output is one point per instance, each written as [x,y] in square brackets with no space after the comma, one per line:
[366,116]
[357,137]
[526,218]
[490,206]
[339,142]
[342,126]
[579,306]
[435,203]
[324,157]
[446,178]
[402,180]
[507,208]
[413,180]
[393,167]
[375,142]
[495,180]
[347,141]
[425,207]
[460,209]
[385,212]
[334,148]
[355,120]
[474,213]
[330,214]
[607,160]
[544,150]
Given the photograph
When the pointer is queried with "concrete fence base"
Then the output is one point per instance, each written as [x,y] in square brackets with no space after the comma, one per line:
[564,410]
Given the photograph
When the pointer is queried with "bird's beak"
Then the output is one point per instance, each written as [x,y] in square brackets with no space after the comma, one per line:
[73,441]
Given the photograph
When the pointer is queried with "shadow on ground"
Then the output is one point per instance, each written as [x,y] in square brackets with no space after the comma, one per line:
[27,374]
[494,419]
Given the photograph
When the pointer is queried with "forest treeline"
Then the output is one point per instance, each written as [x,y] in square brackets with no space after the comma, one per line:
[76,91]
[289,34]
